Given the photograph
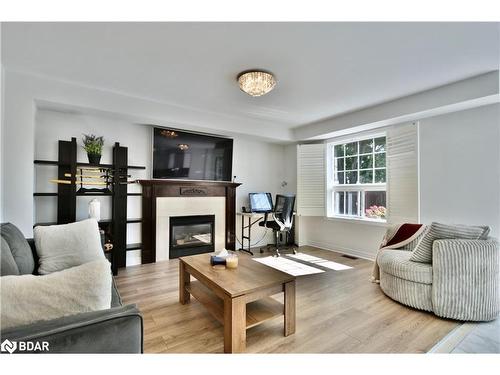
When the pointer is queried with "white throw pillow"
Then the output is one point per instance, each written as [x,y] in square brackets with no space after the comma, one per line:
[63,246]
[437,231]
[28,298]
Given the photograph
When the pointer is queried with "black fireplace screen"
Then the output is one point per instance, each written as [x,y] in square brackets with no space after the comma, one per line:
[191,235]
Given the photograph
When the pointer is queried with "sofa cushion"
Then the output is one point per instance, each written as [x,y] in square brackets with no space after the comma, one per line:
[63,246]
[28,298]
[115,330]
[116,299]
[398,263]
[437,231]
[8,265]
[19,247]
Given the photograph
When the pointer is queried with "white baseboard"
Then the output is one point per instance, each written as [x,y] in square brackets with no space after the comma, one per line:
[343,250]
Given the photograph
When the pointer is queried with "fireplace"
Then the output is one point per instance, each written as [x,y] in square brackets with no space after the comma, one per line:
[163,199]
[191,235]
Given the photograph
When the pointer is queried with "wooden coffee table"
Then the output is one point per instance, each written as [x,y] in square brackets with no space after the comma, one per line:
[238,298]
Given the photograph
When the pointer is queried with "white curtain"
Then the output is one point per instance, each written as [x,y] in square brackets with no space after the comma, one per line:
[311,179]
[402,173]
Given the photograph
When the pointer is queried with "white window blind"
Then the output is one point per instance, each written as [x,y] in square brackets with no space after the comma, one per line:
[402,173]
[311,179]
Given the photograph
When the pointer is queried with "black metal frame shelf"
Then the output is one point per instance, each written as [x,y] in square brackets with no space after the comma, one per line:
[103,222]
[134,246]
[134,221]
[92,194]
[86,194]
[56,163]
[116,227]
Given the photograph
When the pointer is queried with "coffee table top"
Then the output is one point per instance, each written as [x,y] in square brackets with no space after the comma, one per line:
[250,275]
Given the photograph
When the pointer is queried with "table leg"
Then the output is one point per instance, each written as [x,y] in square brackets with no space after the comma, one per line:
[184,280]
[242,232]
[249,234]
[235,330]
[290,308]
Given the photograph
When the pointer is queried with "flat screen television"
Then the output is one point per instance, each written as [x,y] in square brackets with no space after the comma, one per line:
[191,156]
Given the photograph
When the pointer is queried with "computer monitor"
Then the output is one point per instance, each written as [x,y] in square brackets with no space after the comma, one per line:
[261,202]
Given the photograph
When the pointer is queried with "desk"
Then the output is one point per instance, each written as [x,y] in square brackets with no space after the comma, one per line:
[250,216]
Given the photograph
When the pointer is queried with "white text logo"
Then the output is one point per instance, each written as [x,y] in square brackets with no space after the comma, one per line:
[24,346]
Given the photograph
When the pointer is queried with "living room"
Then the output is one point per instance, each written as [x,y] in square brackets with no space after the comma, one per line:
[254,192]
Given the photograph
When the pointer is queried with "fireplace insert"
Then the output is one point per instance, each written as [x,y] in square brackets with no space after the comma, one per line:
[191,235]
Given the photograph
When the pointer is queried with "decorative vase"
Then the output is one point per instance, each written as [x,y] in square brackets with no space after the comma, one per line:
[95,209]
[94,158]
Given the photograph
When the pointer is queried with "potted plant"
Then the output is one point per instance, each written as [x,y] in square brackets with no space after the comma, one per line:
[93,145]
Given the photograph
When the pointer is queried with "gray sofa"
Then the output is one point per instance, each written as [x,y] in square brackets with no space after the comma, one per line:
[116,330]
[462,282]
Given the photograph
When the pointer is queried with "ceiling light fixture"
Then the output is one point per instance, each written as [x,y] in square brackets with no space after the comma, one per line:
[168,133]
[183,146]
[256,82]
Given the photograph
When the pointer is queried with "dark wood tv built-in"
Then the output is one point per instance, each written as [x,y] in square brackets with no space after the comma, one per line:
[153,189]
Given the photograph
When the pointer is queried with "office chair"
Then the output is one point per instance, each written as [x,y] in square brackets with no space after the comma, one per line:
[282,219]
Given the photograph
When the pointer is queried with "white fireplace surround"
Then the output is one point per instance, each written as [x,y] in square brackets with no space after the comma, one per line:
[186,206]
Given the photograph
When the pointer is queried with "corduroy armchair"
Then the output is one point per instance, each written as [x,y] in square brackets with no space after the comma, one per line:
[463,281]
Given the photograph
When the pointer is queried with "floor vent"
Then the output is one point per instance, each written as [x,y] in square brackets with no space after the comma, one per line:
[349,256]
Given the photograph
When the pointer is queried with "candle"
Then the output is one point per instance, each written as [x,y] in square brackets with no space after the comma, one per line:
[232,261]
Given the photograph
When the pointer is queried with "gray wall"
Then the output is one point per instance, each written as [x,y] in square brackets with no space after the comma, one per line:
[460,167]
[258,165]
[459,183]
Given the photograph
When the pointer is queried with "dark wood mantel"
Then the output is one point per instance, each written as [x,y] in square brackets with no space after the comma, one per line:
[152,189]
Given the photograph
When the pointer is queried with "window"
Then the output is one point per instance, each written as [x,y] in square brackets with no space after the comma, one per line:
[357,179]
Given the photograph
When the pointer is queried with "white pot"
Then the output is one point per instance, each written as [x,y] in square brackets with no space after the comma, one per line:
[95,209]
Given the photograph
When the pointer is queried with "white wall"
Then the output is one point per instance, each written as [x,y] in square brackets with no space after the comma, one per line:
[51,126]
[290,167]
[459,183]
[25,93]
[353,238]
[468,93]
[460,168]
[2,123]
[258,165]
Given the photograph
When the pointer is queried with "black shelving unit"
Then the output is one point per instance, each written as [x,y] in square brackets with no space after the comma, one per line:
[134,246]
[114,228]
[53,162]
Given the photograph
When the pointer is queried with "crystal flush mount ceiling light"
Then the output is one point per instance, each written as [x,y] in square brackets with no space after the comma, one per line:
[256,82]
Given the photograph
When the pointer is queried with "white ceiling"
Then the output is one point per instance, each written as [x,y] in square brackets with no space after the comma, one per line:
[323,69]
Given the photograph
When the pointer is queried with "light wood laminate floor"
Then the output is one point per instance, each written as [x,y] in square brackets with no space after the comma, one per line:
[337,312]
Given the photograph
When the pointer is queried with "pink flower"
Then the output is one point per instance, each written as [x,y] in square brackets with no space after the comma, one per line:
[376,212]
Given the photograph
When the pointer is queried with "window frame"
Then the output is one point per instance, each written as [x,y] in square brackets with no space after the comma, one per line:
[331,187]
